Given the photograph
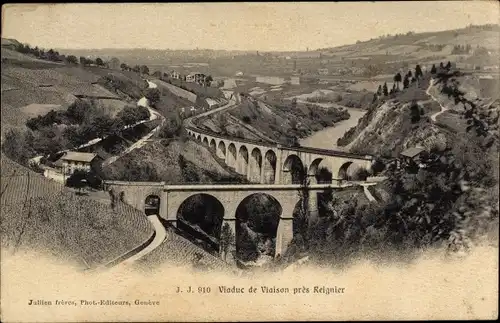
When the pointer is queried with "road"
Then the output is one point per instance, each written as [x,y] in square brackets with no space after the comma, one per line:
[160,236]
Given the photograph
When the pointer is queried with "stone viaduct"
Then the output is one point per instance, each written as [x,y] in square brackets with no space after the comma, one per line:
[172,197]
[271,163]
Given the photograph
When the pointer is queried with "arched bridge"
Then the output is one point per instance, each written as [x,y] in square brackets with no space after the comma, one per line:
[171,198]
[272,163]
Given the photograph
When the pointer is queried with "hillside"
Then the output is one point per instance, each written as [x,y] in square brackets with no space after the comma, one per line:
[42,215]
[172,161]
[419,45]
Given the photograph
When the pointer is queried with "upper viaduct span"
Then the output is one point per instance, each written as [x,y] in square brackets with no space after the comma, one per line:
[272,163]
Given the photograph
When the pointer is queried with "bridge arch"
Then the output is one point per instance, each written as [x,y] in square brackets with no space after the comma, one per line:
[232,155]
[221,149]
[255,165]
[152,205]
[201,216]
[205,141]
[243,160]
[213,145]
[319,172]
[257,220]
[293,170]
[269,167]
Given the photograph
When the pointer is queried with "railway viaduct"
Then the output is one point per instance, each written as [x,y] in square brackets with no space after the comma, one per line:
[171,199]
[271,163]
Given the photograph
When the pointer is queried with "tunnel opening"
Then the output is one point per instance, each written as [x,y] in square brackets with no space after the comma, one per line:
[257,219]
[152,205]
[200,218]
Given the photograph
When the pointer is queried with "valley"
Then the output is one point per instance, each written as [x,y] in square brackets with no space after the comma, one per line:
[264,158]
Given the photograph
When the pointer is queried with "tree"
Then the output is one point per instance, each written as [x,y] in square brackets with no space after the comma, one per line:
[418,71]
[83,61]
[124,67]
[208,80]
[415,112]
[144,69]
[406,82]
[222,123]
[397,79]
[136,68]
[71,59]
[410,74]
[153,95]
[441,65]
[77,179]
[227,240]
[379,90]
[99,61]
[448,65]
[433,69]
[386,92]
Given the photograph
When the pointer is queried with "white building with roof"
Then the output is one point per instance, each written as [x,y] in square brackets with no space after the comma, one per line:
[74,160]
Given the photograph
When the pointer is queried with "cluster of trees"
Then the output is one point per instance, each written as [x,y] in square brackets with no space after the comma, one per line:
[430,206]
[153,95]
[442,67]
[82,122]
[53,55]
[409,77]
[143,69]
[50,54]
[84,61]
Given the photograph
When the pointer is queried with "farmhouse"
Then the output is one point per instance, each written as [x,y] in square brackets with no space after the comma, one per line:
[411,156]
[73,161]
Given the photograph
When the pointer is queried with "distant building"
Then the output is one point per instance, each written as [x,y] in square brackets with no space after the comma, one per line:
[322,71]
[174,75]
[239,73]
[73,161]
[195,77]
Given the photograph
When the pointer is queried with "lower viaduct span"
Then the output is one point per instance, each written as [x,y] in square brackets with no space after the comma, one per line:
[169,200]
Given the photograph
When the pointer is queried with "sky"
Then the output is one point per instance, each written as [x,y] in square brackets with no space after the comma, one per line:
[233,26]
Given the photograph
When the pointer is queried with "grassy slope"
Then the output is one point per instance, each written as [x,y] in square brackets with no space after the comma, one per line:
[40,214]
[163,157]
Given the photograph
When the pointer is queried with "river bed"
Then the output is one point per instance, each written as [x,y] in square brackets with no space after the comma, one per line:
[327,138]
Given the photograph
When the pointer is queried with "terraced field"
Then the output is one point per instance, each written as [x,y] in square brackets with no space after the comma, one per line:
[40,214]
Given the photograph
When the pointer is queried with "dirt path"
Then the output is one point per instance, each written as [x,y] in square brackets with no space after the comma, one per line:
[443,108]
